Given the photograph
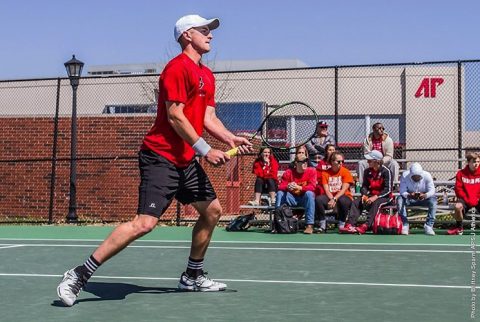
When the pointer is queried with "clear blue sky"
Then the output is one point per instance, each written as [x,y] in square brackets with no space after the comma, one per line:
[37,37]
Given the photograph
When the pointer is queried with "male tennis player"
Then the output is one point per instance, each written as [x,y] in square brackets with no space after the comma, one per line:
[168,167]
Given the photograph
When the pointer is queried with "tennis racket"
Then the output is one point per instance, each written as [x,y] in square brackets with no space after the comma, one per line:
[286,127]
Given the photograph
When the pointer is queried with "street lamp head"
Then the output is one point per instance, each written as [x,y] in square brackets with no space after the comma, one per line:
[74,68]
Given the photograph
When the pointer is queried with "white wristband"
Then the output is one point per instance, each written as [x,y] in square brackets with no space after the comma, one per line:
[201,147]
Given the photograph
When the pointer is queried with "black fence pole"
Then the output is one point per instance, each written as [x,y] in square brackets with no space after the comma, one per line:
[336,105]
[179,209]
[72,207]
[460,131]
[54,155]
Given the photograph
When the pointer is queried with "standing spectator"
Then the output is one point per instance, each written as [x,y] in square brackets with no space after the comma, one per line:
[323,165]
[467,190]
[376,192]
[336,183]
[318,143]
[265,168]
[297,187]
[379,140]
[417,189]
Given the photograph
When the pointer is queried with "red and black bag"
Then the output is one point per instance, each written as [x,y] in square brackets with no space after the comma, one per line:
[387,222]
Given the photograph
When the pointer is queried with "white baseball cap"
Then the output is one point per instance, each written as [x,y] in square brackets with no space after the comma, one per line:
[192,21]
[374,155]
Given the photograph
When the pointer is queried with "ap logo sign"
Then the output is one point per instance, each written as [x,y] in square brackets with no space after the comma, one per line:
[428,87]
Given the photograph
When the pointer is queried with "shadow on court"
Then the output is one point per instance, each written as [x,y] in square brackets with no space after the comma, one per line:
[119,291]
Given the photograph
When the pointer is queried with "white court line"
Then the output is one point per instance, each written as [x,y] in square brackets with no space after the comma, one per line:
[3,246]
[254,281]
[239,242]
[271,248]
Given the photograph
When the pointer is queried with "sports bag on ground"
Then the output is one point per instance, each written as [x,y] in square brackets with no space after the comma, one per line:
[283,220]
[386,223]
[240,223]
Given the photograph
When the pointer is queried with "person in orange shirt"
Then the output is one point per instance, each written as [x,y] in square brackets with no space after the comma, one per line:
[265,169]
[321,166]
[336,183]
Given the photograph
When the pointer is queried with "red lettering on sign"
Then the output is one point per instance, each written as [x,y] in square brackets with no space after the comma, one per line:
[428,87]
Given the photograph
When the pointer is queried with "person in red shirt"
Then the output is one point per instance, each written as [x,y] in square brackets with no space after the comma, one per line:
[168,167]
[376,192]
[297,187]
[265,169]
[336,183]
[467,190]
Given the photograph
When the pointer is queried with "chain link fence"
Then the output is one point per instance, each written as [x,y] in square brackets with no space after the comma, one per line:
[430,111]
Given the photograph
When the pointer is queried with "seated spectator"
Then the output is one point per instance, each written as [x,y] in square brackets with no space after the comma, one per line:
[301,151]
[323,165]
[297,187]
[376,192]
[336,183]
[318,144]
[417,189]
[380,141]
[265,168]
[467,190]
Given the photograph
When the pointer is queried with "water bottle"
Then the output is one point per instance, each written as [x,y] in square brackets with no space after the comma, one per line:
[357,187]
[445,198]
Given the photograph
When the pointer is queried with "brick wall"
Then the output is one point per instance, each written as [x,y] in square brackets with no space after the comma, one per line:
[107,189]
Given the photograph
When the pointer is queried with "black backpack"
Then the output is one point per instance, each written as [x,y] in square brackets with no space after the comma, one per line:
[283,221]
[240,223]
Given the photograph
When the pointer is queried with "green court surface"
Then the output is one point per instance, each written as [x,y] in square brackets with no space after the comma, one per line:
[297,277]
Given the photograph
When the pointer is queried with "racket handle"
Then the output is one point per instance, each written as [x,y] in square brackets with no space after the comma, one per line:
[232,152]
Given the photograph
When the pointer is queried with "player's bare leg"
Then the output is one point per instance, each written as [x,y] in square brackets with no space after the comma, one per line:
[194,278]
[76,278]
[123,235]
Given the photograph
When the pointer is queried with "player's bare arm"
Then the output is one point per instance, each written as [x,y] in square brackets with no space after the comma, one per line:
[216,128]
[185,130]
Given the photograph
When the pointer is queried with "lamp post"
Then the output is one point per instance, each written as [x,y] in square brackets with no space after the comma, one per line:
[74,70]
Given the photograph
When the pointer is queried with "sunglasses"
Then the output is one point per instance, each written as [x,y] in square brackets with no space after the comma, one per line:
[340,161]
[303,161]
[379,128]
[203,30]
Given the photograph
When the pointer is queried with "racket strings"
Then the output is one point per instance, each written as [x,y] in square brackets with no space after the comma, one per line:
[289,126]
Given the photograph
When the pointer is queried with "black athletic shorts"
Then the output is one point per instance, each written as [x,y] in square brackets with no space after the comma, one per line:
[466,208]
[161,181]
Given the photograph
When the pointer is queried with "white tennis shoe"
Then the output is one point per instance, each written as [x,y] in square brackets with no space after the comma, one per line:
[70,287]
[429,230]
[200,284]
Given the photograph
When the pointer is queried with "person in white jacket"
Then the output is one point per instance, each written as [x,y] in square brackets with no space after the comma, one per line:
[417,189]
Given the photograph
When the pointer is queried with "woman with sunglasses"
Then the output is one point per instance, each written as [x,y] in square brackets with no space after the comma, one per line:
[321,166]
[336,183]
[297,187]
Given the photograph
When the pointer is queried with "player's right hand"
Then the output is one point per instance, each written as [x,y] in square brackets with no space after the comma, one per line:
[216,157]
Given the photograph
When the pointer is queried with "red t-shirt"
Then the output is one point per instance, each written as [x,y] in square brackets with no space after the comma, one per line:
[377,144]
[182,81]
[322,166]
